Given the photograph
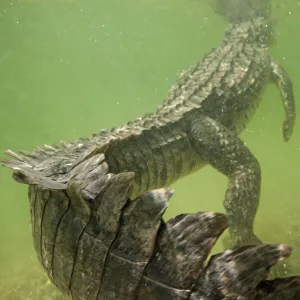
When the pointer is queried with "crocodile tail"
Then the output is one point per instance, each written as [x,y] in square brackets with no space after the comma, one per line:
[24,173]
[25,169]
[55,162]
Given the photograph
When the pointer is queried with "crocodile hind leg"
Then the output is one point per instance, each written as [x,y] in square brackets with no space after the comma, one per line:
[223,150]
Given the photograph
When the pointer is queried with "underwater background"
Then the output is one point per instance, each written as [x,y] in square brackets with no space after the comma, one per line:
[70,68]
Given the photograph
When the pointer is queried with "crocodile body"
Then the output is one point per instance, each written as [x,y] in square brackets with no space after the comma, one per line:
[197,124]
[96,243]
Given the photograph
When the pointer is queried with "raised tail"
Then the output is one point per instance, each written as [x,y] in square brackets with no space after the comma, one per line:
[24,172]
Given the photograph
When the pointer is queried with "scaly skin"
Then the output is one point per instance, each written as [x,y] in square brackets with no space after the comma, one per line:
[95,243]
[197,124]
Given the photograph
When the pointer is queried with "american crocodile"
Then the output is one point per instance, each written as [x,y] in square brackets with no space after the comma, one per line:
[95,243]
[197,124]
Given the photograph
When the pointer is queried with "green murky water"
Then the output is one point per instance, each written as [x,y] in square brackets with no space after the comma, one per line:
[71,68]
